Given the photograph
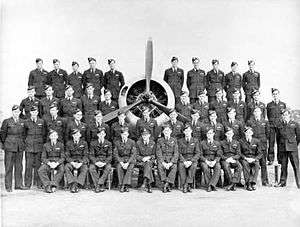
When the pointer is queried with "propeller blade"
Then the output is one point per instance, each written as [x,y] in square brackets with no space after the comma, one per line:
[114,114]
[167,111]
[148,63]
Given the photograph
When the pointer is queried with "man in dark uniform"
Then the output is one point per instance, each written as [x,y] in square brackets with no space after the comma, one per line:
[53,157]
[197,125]
[113,80]
[253,104]
[236,125]
[125,155]
[274,110]
[38,78]
[174,76]
[145,157]
[12,137]
[69,104]
[77,160]
[214,79]
[57,78]
[250,156]
[100,159]
[210,155]
[202,106]
[28,102]
[117,126]
[56,123]
[189,153]
[289,139]
[217,126]
[108,105]
[167,157]
[75,80]
[195,80]
[261,131]
[47,101]
[98,123]
[219,105]
[175,124]
[231,153]
[239,105]
[76,123]
[93,76]
[147,122]
[35,132]
[233,80]
[250,81]
[183,106]
[90,103]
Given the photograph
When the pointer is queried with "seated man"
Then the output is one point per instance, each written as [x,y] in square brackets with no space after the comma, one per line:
[189,152]
[147,122]
[90,103]
[77,160]
[117,126]
[145,147]
[95,124]
[236,125]
[202,106]
[211,152]
[231,153]
[124,154]
[183,106]
[197,125]
[100,157]
[108,105]
[167,156]
[213,123]
[176,125]
[53,157]
[251,154]
[76,123]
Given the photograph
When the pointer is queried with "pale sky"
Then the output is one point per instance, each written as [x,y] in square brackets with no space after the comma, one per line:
[236,30]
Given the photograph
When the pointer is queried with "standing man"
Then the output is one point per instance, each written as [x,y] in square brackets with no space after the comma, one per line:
[289,139]
[195,80]
[167,157]
[93,76]
[233,80]
[47,101]
[125,155]
[183,106]
[35,132]
[38,78]
[90,103]
[274,110]
[214,79]
[236,125]
[28,102]
[202,106]
[251,81]
[176,125]
[213,123]
[253,104]
[146,122]
[98,123]
[197,125]
[53,157]
[75,80]
[113,80]
[174,76]
[69,104]
[116,127]
[239,105]
[189,153]
[219,105]
[12,137]
[57,78]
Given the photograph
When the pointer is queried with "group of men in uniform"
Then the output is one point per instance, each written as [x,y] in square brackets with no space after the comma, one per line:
[60,127]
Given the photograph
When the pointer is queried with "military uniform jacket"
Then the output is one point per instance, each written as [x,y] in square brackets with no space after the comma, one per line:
[76,81]
[58,81]
[237,126]
[261,130]
[59,124]
[198,130]
[35,135]
[82,127]
[45,105]
[114,80]
[250,109]
[188,150]
[219,130]
[252,149]
[240,108]
[274,112]
[125,152]
[106,108]
[77,152]
[289,134]
[210,151]
[251,81]
[214,80]
[53,153]
[116,130]
[176,129]
[67,106]
[220,108]
[185,110]
[167,150]
[232,81]
[175,79]
[143,150]
[202,108]
[13,135]
[96,78]
[195,81]
[100,151]
[38,79]
[230,149]
[151,125]
[93,128]
[89,105]
[26,104]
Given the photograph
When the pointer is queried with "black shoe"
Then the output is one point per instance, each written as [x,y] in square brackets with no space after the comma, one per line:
[280,184]
[253,187]
[76,188]
[143,187]
[126,189]
[48,189]
[248,188]
[189,189]
[184,190]
[97,188]
[229,187]
[165,188]
[102,188]
[240,185]
[122,189]
[9,190]
[53,189]
[149,189]
[233,188]
[209,189]
[72,188]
